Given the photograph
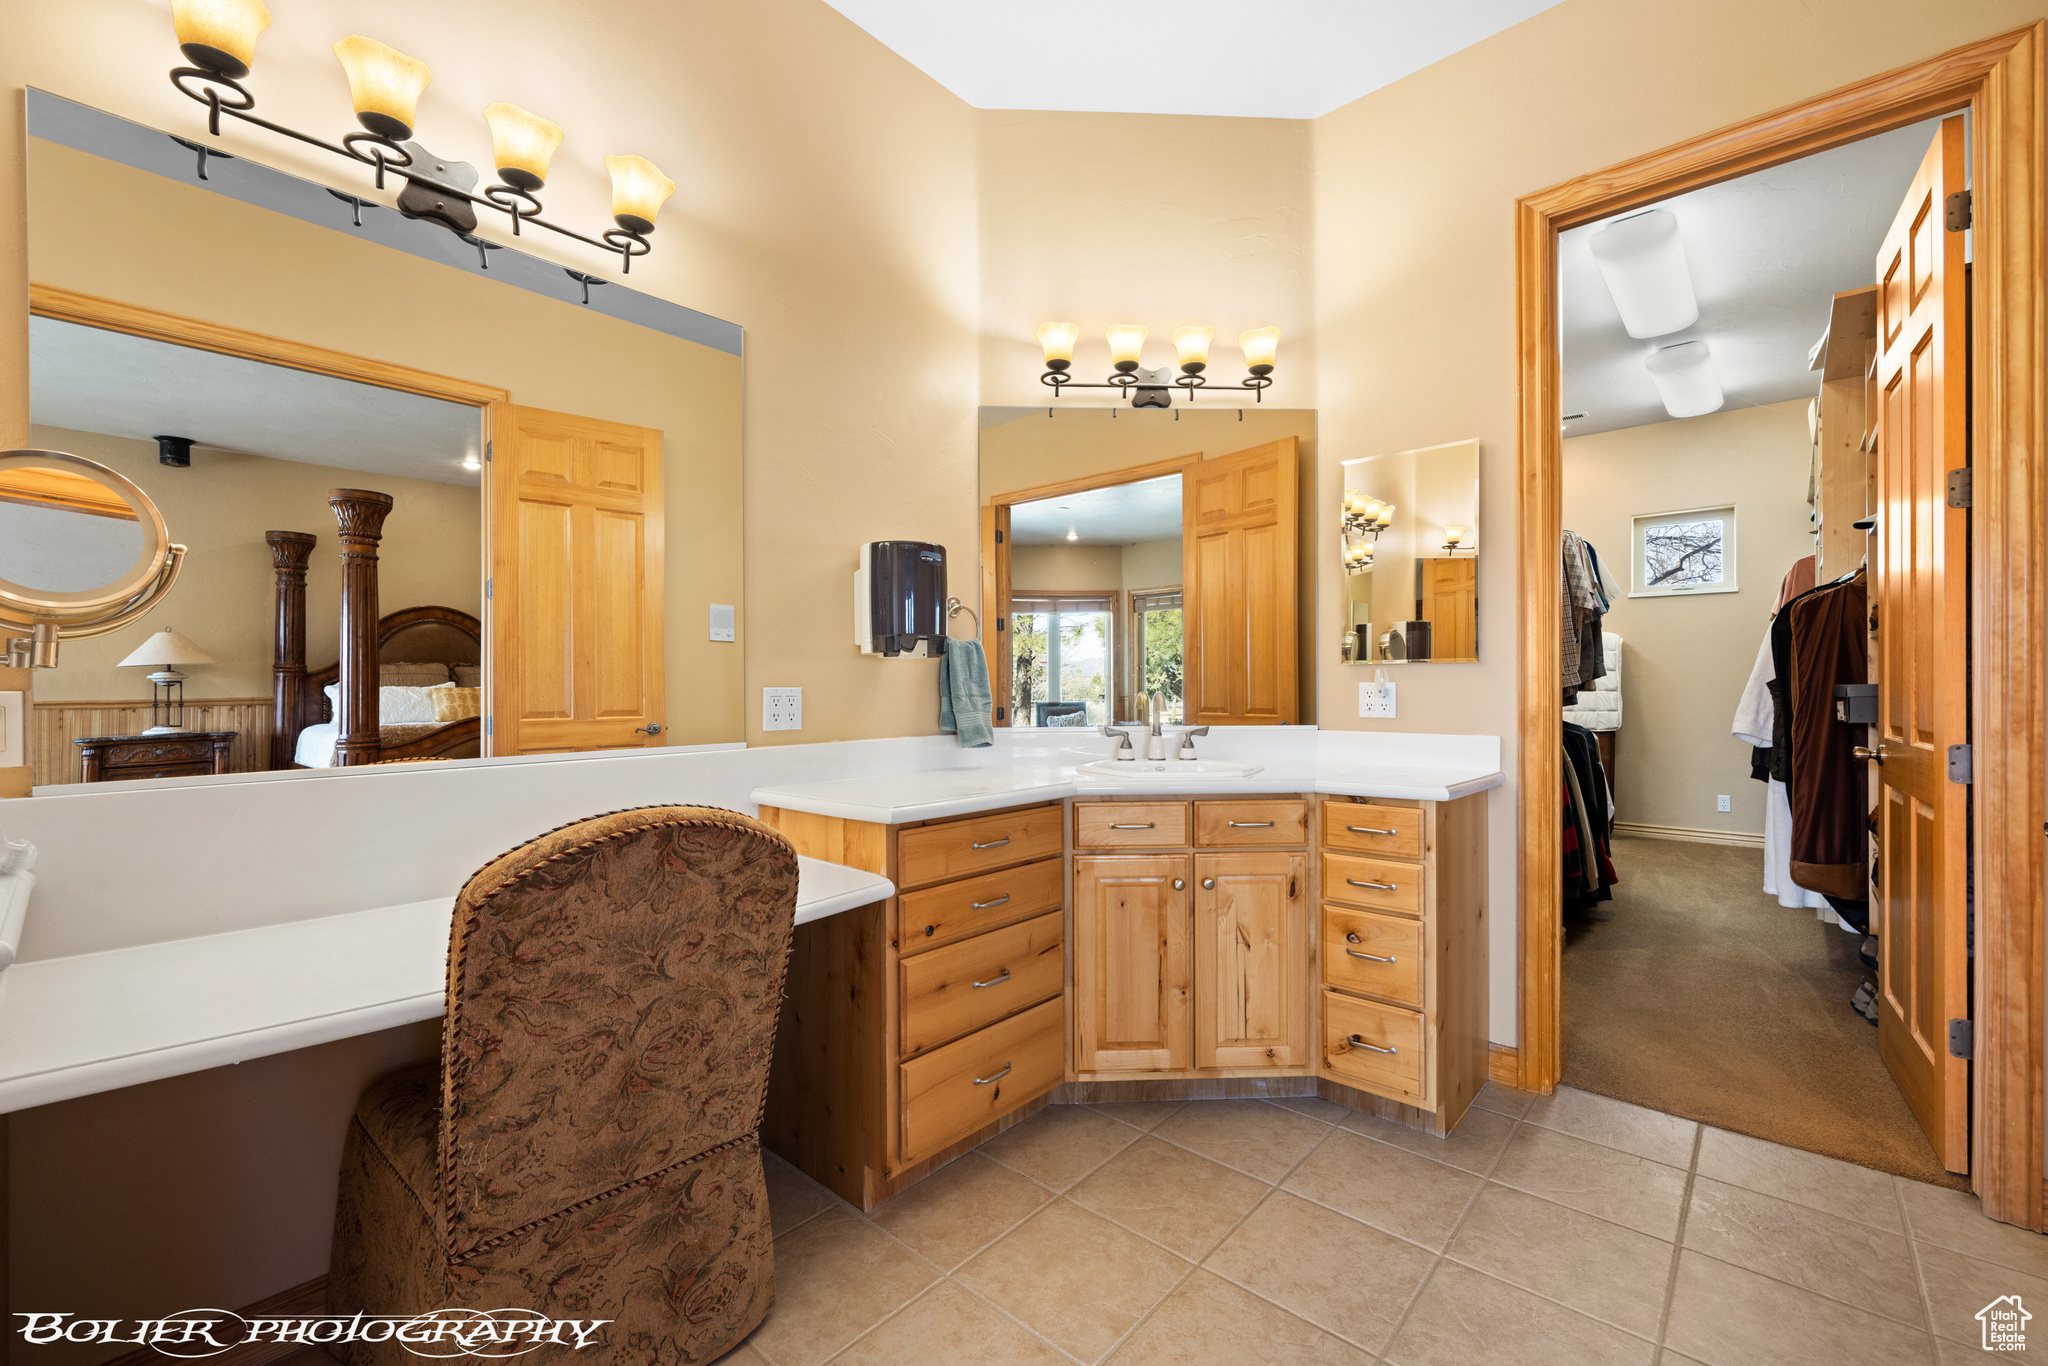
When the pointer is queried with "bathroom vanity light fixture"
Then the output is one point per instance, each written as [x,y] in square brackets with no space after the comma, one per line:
[219,38]
[1153,388]
[1357,556]
[1365,515]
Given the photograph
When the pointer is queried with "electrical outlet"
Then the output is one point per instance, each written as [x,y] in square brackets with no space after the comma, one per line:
[782,709]
[721,621]
[1721,804]
[1376,700]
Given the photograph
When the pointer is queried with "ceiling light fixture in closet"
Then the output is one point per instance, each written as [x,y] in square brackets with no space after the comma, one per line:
[219,38]
[1642,260]
[1150,388]
[1684,376]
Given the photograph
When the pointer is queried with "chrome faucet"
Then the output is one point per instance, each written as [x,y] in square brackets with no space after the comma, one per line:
[1123,742]
[1155,741]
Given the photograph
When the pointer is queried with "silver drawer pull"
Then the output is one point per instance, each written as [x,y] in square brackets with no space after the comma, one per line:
[1369,830]
[1148,825]
[984,905]
[1251,825]
[985,1081]
[1357,1042]
[1373,957]
[994,844]
[1376,886]
[994,981]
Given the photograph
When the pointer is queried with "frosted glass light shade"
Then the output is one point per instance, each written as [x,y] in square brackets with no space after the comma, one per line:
[1259,345]
[1642,259]
[385,85]
[1192,346]
[639,189]
[1454,535]
[1126,345]
[1385,515]
[1058,341]
[164,649]
[1685,379]
[220,35]
[522,144]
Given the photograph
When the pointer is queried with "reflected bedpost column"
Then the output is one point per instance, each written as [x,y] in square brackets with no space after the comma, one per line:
[359,514]
[289,551]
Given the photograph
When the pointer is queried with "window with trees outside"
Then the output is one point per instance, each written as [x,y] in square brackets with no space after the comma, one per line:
[1156,662]
[1684,552]
[1062,648]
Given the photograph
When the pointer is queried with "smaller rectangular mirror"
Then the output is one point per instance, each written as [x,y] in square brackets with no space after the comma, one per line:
[1409,551]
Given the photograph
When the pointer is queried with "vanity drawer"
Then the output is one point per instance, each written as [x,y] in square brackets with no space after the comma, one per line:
[1356,942]
[976,844]
[958,989]
[954,910]
[1360,881]
[952,1091]
[1355,1031]
[1251,823]
[1369,828]
[1130,825]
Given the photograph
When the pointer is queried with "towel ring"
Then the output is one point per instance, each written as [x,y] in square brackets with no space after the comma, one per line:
[955,606]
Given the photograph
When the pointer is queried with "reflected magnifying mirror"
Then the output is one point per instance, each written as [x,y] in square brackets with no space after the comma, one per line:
[83,551]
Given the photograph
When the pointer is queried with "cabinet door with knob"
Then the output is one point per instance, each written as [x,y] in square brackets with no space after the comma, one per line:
[1131,963]
[1251,960]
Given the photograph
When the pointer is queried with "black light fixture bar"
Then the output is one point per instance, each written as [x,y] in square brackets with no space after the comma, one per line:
[1060,381]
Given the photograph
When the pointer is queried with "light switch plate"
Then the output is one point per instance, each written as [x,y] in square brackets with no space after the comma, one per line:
[782,709]
[1376,700]
[721,621]
[13,730]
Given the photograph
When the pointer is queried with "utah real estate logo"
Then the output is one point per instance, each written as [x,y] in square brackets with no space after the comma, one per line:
[2005,1324]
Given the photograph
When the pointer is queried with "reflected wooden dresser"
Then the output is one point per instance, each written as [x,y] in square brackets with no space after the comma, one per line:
[118,758]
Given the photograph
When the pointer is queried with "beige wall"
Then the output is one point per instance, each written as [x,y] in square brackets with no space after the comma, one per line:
[1152,564]
[1686,658]
[226,594]
[1066,568]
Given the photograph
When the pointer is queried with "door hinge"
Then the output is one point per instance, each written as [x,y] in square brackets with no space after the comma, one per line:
[1001,624]
[489,723]
[487,589]
[1959,488]
[999,538]
[1957,210]
[1962,1039]
[487,451]
[1959,763]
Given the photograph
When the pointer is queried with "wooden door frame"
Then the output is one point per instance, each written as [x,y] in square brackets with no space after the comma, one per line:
[111,315]
[2003,83]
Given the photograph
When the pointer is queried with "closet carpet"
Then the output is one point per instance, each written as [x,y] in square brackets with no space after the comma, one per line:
[1694,993]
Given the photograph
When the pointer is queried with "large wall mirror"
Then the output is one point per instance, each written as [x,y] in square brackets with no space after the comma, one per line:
[1142,561]
[1409,548]
[440,498]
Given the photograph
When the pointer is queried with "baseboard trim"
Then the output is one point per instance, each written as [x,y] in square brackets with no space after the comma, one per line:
[1504,1064]
[1740,838]
[300,1300]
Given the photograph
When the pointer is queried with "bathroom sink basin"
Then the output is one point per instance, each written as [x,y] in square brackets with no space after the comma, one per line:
[1166,770]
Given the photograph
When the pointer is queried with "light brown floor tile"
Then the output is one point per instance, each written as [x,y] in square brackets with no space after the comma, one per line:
[1060,1144]
[1143,1115]
[1822,1183]
[1315,1107]
[1725,1316]
[1839,1258]
[1170,1195]
[819,1307]
[1332,1270]
[1959,1286]
[792,1196]
[1612,1273]
[742,1355]
[1258,1139]
[949,1327]
[1074,1277]
[1504,1100]
[1607,1182]
[1464,1318]
[1210,1322]
[1409,1196]
[960,1209]
[1955,1220]
[1616,1124]
[1472,1146]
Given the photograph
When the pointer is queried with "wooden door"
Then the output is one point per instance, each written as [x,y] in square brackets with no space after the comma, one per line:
[1922,652]
[1239,586]
[1251,960]
[995,608]
[1450,604]
[576,585]
[1130,963]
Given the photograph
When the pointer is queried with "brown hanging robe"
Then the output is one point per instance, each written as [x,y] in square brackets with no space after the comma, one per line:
[1829,789]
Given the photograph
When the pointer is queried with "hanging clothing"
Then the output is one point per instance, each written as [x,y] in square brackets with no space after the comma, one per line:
[1829,640]
[1778,854]
[1798,579]
[1580,651]
[1588,821]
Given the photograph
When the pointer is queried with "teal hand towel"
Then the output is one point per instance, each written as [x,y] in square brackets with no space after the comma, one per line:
[964,694]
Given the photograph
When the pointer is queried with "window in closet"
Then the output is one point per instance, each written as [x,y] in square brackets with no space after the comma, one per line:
[1684,552]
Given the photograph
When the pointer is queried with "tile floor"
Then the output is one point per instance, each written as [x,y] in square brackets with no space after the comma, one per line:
[1568,1229]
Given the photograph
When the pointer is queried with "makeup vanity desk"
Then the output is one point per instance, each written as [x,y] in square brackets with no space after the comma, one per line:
[1313,928]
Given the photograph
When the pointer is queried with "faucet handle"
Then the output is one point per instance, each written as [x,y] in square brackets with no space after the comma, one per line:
[1187,741]
[1121,736]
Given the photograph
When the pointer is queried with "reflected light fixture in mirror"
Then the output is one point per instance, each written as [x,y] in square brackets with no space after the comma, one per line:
[164,652]
[219,35]
[1454,538]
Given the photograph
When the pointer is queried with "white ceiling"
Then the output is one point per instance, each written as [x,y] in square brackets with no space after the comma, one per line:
[1767,253]
[1122,514]
[90,380]
[1282,59]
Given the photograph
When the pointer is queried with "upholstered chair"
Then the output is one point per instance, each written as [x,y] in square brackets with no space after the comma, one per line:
[588,1146]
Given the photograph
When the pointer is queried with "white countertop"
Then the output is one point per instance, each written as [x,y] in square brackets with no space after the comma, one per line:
[96,1021]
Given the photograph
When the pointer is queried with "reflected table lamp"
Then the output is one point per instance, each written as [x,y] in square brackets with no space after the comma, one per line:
[164,651]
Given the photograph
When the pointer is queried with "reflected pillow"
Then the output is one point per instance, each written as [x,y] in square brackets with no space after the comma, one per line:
[1072,718]
[395,706]
[411,675]
[452,703]
[468,675]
